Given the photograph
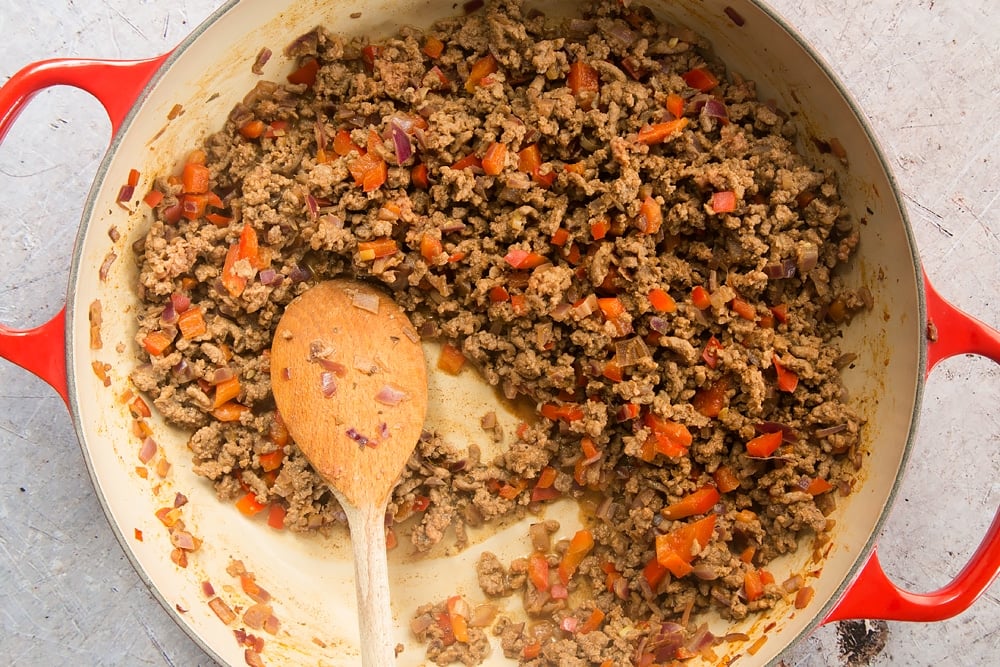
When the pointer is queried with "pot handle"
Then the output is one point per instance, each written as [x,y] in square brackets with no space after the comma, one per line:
[872,595]
[116,84]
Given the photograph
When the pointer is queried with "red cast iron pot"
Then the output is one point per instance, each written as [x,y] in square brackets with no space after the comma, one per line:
[206,75]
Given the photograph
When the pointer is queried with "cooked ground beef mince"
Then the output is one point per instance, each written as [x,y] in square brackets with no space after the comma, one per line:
[603,222]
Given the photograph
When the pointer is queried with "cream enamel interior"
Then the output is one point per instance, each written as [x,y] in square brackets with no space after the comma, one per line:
[310,577]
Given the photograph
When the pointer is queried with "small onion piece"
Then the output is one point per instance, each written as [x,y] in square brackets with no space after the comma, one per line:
[335,367]
[270,277]
[659,325]
[109,259]
[125,194]
[421,623]
[622,33]
[541,539]
[299,274]
[148,450]
[715,109]
[328,383]
[631,351]
[401,143]
[169,314]
[807,257]
[580,28]
[183,371]
[568,624]
[391,396]
[365,301]
[262,57]
[779,270]
[830,430]
[182,540]
[483,615]
[221,375]
[804,597]
[705,572]
[558,592]
[793,583]
[181,302]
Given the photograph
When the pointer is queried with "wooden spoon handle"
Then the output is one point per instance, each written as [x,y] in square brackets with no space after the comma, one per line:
[371,574]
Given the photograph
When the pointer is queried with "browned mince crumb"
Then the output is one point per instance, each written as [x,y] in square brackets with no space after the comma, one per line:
[542,338]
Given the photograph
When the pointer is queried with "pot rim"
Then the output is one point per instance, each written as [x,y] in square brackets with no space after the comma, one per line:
[88,219]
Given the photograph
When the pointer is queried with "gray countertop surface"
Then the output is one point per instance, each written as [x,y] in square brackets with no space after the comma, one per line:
[927,74]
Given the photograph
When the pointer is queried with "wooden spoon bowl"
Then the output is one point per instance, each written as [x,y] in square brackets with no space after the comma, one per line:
[349,379]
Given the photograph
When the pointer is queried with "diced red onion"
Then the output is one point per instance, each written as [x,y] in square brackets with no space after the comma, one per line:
[401,144]
[630,351]
[299,274]
[270,277]
[659,325]
[353,434]
[148,450]
[207,589]
[580,28]
[621,588]
[559,312]
[335,367]
[558,592]
[452,225]
[621,32]
[568,624]
[125,194]
[272,625]
[604,510]
[421,623]
[328,383]
[701,640]
[411,334]
[255,616]
[585,307]
[705,572]
[383,431]
[460,607]
[541,539]
[793,583]
[180,500]
[182,540]
[365,301]
[483,615]
[221,375]
[803,483]
[169,314]
[667,640]
[312,206]
[779,270]
[181,302]
[109,259]
[389,395]
[830,430]
[286,373]
[807,256]
[715,109]
[262,57]
[517,180]
[182,371]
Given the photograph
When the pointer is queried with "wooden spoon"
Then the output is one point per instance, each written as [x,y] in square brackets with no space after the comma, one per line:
[351,386]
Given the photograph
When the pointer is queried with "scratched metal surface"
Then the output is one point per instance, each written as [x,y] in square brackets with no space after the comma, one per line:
[928,75]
